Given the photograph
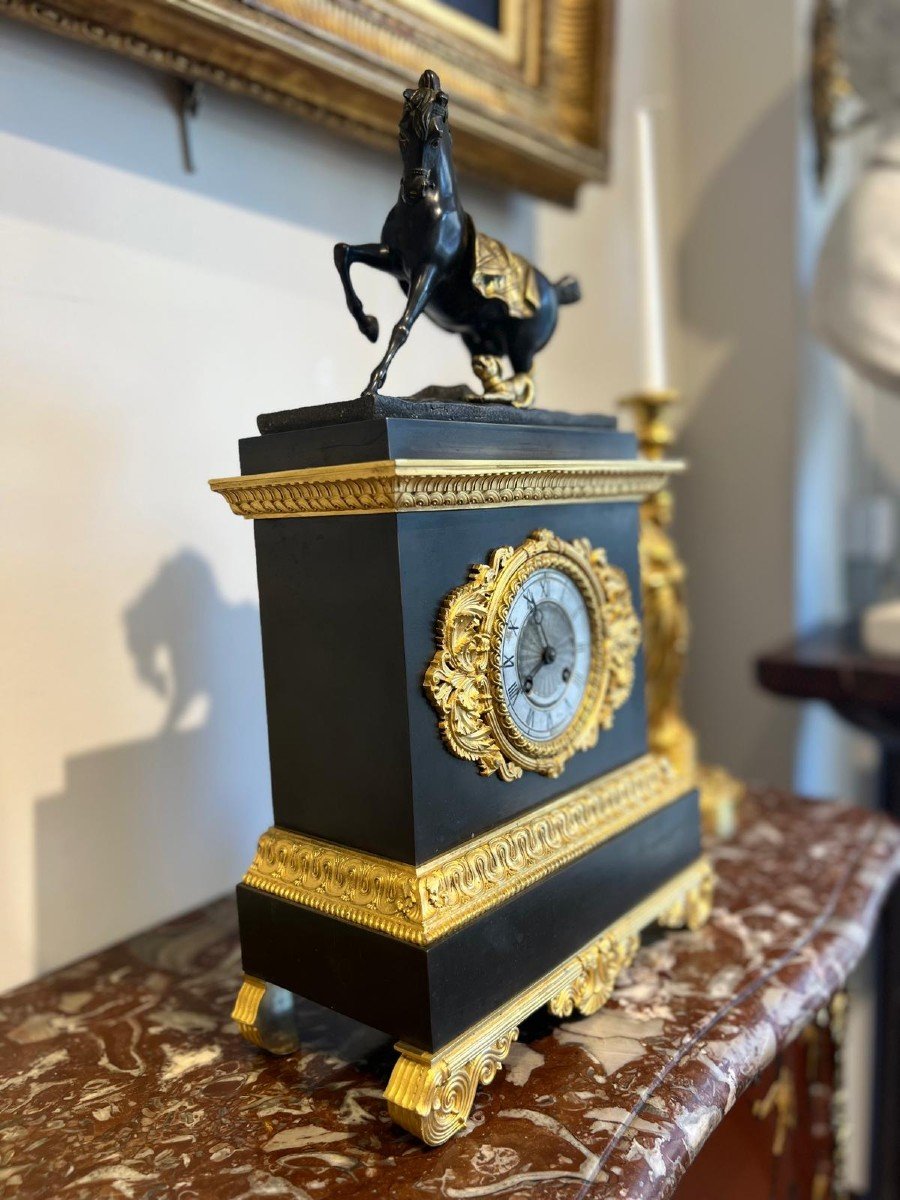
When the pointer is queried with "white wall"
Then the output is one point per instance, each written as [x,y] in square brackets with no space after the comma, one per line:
[776,438]
[146,317]
[740,80]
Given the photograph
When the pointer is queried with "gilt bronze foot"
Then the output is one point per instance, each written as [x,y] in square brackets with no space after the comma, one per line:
[431,1095]
[265,1016]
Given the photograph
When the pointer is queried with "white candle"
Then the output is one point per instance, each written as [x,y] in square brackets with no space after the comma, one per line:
[653,315]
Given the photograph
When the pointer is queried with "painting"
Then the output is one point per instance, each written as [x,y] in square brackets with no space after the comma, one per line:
[530,79]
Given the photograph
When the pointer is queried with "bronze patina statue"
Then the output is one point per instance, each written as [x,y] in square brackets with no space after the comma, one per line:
[467,282]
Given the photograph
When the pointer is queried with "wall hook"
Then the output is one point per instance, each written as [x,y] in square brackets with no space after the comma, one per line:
[191,98]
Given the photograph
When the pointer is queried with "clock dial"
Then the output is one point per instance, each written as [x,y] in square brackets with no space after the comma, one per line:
[535,654]
[545,654]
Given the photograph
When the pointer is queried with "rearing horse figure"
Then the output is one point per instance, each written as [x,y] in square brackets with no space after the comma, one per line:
[465,281]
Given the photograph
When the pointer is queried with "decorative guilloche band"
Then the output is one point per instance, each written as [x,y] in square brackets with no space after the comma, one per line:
[421,904]
[409,485]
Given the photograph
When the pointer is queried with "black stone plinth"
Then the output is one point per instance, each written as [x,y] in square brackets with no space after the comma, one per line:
[430,405]
[376,430]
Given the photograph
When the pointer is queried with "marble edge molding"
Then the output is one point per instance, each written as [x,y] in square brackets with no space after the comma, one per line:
[421,904]
[409,485]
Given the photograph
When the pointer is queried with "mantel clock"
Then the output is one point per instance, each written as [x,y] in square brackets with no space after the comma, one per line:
[468,824]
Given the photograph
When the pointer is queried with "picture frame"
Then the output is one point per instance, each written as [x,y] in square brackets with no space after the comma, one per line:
[529,80]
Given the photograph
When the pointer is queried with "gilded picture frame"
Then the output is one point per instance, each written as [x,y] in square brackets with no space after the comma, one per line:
[530,93]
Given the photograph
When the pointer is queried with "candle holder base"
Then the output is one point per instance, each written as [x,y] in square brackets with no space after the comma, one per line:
[667,625]
[648,409]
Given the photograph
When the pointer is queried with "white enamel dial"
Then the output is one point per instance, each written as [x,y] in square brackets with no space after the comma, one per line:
[545,654]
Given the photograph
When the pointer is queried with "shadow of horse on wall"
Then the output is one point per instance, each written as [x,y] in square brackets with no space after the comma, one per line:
[150,827]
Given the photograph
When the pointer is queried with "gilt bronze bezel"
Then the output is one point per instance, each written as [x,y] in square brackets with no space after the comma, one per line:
[464,682]
[547,757]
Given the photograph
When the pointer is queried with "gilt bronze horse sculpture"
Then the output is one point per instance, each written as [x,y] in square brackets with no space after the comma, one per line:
[467,282]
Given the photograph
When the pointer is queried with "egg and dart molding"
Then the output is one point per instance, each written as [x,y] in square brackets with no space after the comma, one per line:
[468,822]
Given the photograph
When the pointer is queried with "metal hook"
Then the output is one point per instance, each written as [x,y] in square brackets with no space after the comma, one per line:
[189,107]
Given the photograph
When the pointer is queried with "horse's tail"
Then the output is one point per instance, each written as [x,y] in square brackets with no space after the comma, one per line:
[568,290]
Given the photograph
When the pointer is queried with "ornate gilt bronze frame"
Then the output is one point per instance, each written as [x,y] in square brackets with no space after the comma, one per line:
[531,98]
[463,680]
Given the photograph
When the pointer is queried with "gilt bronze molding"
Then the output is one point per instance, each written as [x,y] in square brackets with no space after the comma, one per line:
[421,904]
[411,485]
[431,1095]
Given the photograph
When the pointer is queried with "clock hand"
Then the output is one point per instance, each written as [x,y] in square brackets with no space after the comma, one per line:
[548,656]
[538,619]
[528,681]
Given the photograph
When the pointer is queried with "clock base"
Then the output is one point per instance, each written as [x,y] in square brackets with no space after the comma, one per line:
[431,1094]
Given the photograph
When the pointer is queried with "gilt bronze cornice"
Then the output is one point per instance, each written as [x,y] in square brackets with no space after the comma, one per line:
[410,485]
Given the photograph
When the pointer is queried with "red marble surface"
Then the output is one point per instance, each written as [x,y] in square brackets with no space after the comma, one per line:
[122,1076]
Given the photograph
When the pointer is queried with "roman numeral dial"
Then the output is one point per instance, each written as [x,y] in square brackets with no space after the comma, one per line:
[545,654]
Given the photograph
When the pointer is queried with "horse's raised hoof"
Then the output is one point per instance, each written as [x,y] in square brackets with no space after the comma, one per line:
[369,327]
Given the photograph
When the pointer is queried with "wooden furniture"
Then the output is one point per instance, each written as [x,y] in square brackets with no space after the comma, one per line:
[123,1075]
[832,665]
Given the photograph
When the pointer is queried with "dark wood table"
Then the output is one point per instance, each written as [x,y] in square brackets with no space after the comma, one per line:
[832,665]
[122,1075]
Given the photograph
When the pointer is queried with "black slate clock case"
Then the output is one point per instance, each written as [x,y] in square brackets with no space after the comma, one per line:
[348,605]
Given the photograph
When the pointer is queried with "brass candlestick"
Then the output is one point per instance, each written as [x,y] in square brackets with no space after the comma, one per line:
[667,625]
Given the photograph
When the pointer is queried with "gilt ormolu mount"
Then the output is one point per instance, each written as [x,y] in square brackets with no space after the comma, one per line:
[466,282]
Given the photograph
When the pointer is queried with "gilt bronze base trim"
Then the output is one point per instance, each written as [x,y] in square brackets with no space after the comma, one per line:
[422,904]
[431,1095]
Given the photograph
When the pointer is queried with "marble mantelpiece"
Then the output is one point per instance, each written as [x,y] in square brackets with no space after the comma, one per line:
[122,1075]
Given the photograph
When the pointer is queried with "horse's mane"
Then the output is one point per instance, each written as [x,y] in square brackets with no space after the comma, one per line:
[419,103]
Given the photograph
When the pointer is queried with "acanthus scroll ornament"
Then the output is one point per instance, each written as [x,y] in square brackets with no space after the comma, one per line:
[432,1097]
[600,966]
[692,909]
